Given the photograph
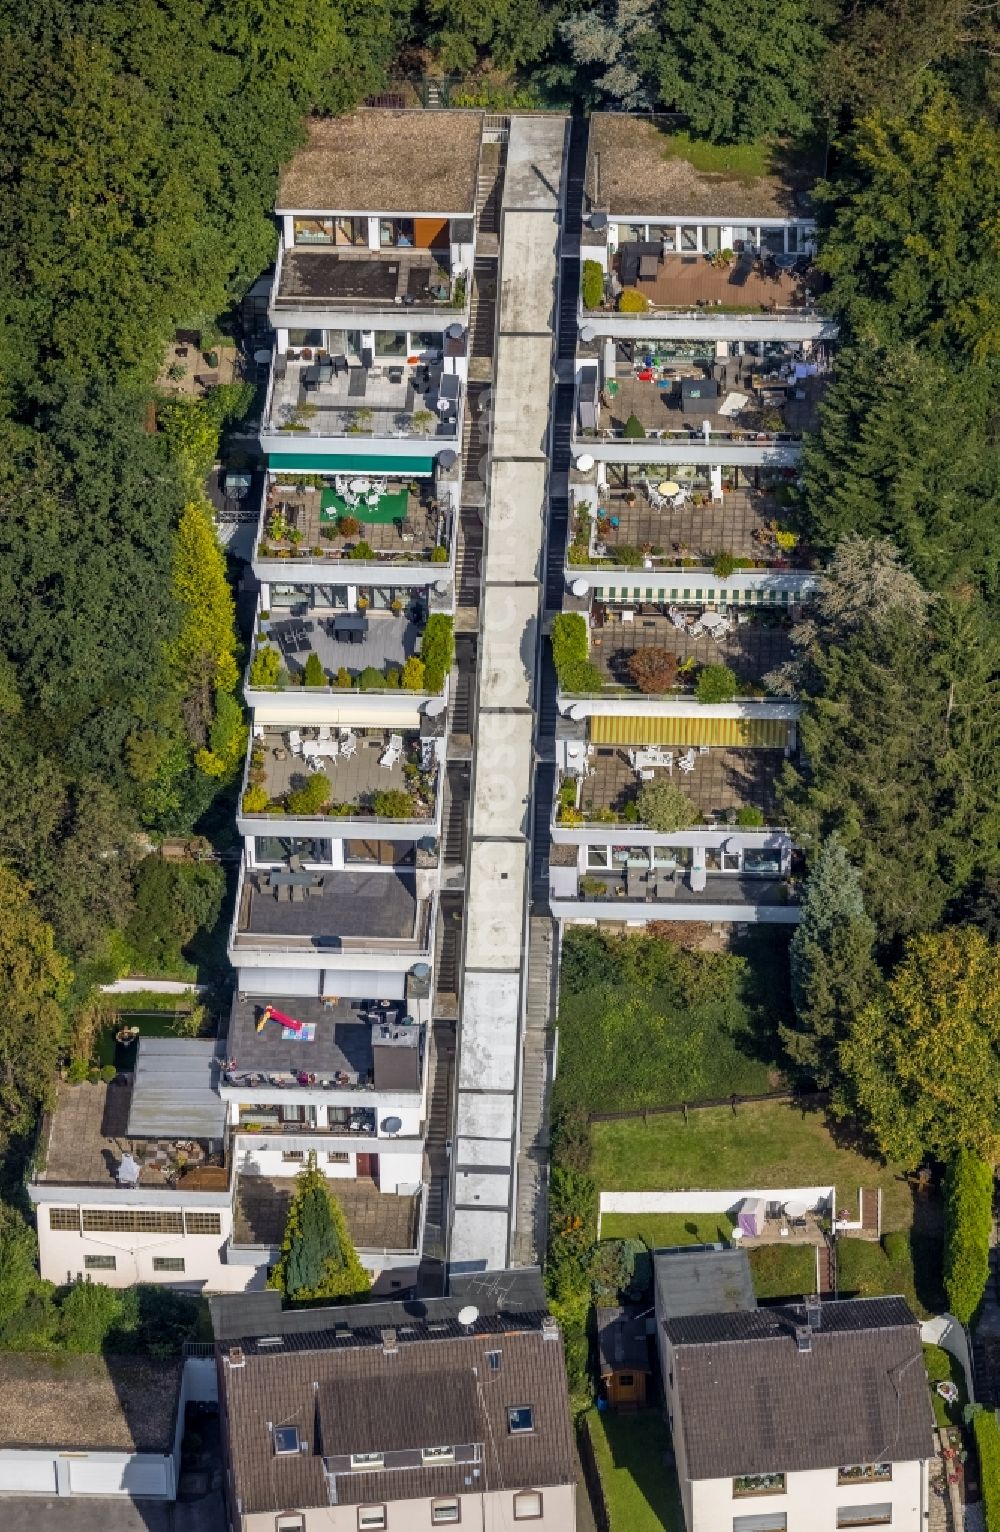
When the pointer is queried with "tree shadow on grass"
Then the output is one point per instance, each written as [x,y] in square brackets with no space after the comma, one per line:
[766,995]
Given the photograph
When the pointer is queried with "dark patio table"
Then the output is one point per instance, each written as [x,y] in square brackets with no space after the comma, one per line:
[353,627]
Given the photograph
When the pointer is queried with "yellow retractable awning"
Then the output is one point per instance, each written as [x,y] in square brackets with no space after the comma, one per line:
[755,733]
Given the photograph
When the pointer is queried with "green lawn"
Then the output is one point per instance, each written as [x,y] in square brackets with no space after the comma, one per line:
[782,1271]
[765,1144]
[640,1491]
[906,1263]
[779,1271]
[733,159]
[942,1367]
[665,1229]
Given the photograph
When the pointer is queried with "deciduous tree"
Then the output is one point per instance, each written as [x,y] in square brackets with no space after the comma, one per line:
[922,1059]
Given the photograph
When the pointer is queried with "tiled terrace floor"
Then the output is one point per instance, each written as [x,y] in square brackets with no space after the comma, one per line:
[89,1135]
[738,525]
[353,780]
[333,405]
[685,281]
[750,649]
[413,534]
[659,409]
[720,888]
[376,1220]
[380,904]
[357,275]
[390,640]
[722,779]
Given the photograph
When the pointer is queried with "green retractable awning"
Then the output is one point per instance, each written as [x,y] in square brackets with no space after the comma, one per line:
[347,462]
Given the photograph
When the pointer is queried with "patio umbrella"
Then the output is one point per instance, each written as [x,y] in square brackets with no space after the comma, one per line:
[668,488]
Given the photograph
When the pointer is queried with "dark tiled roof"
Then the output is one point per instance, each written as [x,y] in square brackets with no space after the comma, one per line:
[750,1401]
[357,1396]
[621,1341]
[506,1300]
[702,1281]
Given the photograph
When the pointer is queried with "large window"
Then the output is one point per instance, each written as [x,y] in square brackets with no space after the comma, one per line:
[370,1517]
[131,1221]
[431,1455]
[65,1219]
[390,342]
[100,1262]
[520,1419]
[879,1515]
[363,1462]
[528,1505]
[395,232]
[167,1263]
[865,1473]
[759,1484]
[445,1512]
[202,1223]
[761,863]
[767,1521]
[313,231]
[352,231]
[297,338]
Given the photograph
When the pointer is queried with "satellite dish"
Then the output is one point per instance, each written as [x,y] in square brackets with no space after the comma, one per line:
[447,458]
[455,331]
[587,333]
[585,462]
[421,971]
[468,1315]
[391,1124]
[598,220]
[577,712]
[434,707]
[579,587]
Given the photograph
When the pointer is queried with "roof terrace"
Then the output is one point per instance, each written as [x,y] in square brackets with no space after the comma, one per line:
[751,643]
[392,398]
[317,278]
[362,766]
[719,784]
[674,402]
[89,1132]
[383,641]
[635,521]
[400,520]
[344,1044]
[376,1220]
[337,911]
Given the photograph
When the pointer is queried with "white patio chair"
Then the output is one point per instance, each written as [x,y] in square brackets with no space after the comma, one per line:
[396,743]
[389,757]
[685,765]
[647,775]
[324,732]
[703,749]
[295,741]
[348,744]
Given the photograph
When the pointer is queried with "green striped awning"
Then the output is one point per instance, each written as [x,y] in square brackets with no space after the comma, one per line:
[755,733]
[348,462]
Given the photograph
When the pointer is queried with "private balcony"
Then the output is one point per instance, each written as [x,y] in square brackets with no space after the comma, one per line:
[695,283]
[384,913]
[755,412]
[383,523]
[752,644]
[629,525]
[312,280]
[399,410]
[344,1046]
[725,785]
[375,787]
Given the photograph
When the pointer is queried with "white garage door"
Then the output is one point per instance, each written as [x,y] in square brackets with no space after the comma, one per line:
[26,1476]
[139,1476]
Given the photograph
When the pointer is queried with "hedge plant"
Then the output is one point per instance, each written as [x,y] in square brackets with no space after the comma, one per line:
[570,654]
[716,683]
[593,284]
[968,1208]
[987,1434]
[437,650]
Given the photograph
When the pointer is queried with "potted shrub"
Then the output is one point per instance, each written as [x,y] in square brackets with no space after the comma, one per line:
[634,429]
[723,566]
[362,603]
[396,605]
[592,888]
[439,554]
[422,420]
[348,526]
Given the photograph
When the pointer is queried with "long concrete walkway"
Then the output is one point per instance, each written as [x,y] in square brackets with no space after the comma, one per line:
[491,1030]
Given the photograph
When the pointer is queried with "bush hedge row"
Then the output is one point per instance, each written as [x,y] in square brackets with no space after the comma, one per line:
[968,1198]
[987,1434]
